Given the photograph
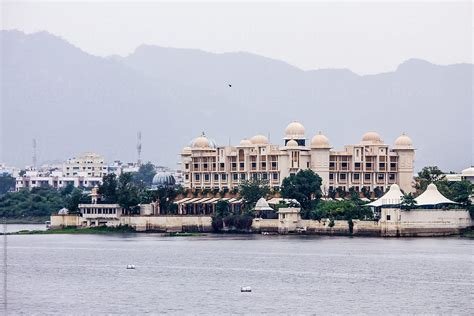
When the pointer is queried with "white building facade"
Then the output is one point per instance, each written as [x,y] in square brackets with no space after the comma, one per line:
[371,163]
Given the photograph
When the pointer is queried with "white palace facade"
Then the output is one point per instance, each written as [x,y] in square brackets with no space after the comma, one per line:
[371,163]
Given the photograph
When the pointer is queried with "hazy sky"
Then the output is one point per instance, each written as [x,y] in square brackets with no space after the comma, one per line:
[365,37]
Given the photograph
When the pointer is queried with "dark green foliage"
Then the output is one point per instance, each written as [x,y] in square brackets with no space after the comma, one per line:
[341,210]
[366,192]
[7,183]
[145,174]
[305,187]
[222,209]
[341,192]
[39,202]
[108,188]
[128,193]
[238,222]
[217,223]
[408,202]
[351,225]
[427,175]
[73,199]
[252,190]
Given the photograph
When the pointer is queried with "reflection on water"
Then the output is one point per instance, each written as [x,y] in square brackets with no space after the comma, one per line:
[85,274]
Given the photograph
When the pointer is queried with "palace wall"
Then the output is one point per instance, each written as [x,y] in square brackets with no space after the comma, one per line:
[166,223]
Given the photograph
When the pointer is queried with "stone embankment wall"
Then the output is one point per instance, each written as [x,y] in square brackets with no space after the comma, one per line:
[65,220]
[168,223]
[434,222]
[393,223]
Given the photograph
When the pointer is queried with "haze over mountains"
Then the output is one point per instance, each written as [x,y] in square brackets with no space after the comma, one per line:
[73,102]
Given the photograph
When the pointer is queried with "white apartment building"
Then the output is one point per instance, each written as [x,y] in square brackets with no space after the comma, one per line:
[371,163]
[89,164]
[56,179]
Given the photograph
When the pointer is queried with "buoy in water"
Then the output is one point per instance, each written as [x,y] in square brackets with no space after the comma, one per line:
[131,266]
[246,289]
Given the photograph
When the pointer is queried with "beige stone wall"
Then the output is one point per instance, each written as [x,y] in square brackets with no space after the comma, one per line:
[435,222]
[168,223]
[61,221]
[265,225]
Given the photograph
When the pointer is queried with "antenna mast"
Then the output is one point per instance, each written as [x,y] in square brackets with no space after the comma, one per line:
[139,147]
[34,154]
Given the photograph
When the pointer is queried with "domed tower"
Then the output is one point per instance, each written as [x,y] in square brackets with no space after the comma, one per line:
[406,158]
[320,148]
[295,131]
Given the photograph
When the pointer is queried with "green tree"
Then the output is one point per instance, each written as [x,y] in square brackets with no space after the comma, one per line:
[408,202]
[305,187]
[128,193]
[145,174]
[252,190]
[108,188]
[460,192]
[427,175]
[222,209]
[7,183]
[73,199]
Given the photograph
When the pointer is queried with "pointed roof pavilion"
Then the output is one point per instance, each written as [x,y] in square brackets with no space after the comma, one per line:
[432,197]
[392,197]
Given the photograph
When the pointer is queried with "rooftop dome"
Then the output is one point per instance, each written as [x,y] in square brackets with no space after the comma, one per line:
[294,130]
[63,211]
[469,172]
[403,141]
[371,137]
[203,142]
[245,142]
[259,140]
[320,141]
[292,143]
[163,179]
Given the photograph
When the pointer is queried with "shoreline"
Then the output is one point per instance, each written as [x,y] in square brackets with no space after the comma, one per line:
[123,230]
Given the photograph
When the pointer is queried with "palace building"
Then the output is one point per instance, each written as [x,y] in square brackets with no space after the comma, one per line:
[371,163]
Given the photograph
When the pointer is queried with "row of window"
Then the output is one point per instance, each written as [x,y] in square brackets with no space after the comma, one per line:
[235,176]
[233,165]
[358,165]
[357,176]
[90,210]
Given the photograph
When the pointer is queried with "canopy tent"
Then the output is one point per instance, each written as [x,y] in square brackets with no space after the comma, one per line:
[432,197]
[392,197]
[262,205]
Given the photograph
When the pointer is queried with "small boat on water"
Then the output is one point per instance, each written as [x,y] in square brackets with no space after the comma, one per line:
[130,267]
[246,289]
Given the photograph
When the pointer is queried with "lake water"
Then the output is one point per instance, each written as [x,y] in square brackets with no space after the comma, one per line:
[86,274]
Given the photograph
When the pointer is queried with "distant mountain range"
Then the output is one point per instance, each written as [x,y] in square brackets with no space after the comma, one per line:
[72,102]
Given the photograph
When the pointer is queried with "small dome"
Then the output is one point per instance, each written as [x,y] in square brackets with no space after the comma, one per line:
[259,140]
[187,149]
[469,172]
[203,142]
[262,205]
[294,130]
[63,211]
[320,141]
[292,143]
[163,179]
[371,137]
[245,142]
[403,141]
